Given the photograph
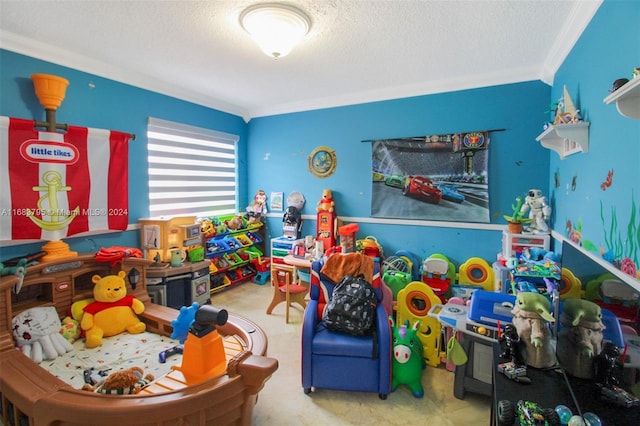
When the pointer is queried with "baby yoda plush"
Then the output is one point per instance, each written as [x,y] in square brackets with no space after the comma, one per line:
[581,338]
[531,316]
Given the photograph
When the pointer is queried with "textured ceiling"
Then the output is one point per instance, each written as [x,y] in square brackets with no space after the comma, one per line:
[356,51]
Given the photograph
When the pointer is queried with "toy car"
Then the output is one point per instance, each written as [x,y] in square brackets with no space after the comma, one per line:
[450,193]
[422,187]
[526,413]
[397,181]
[617,396]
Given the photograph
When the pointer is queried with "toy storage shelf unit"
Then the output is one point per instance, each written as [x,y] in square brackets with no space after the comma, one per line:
[179,286]
[627,99]
[231,254]
[566,139]
[513,244]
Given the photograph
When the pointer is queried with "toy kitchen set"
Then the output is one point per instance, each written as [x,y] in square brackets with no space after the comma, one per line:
[180,273]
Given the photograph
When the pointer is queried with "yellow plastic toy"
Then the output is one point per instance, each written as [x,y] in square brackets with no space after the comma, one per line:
[476,271]
[414,303]
[570,285]
[203,357]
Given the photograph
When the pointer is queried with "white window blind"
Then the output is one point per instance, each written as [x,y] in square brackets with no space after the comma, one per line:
[192,171]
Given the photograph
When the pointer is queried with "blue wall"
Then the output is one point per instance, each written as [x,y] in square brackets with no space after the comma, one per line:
[608,49]
[274,150]
[280,146]
[92,101]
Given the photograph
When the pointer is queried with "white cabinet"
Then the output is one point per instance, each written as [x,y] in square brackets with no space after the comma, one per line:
[566,139]
[627,99]
[517,243]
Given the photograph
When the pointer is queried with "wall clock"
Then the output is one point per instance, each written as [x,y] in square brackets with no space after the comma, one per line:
[322,161]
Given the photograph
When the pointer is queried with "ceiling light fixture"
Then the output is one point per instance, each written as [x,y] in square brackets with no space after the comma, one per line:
[276,27]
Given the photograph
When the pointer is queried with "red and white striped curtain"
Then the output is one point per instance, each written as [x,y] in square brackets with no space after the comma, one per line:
[54,185]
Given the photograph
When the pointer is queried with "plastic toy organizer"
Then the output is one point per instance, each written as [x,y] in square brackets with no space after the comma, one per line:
[233,253]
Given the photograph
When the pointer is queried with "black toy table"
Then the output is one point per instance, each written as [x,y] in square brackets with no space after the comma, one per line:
[549,388]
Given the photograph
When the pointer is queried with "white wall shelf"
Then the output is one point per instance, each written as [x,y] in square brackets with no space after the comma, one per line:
[627,99]
[566,139]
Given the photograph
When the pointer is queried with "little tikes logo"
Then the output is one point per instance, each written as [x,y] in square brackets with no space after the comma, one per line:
[37,151]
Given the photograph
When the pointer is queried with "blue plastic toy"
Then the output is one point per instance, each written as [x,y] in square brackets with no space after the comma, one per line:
[184,320]
[408,361]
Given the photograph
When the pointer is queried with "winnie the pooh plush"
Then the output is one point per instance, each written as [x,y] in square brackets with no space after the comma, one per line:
[113,311]
[123,382]
[326,202]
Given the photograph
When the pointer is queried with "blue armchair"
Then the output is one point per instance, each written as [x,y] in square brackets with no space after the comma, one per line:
[340,361]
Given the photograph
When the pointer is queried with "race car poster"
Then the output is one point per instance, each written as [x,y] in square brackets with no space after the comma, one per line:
[437,177]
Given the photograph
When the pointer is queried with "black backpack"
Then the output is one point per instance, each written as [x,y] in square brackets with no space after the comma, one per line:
[352,307]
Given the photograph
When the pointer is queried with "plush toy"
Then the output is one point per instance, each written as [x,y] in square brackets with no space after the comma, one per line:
[259,204]
[70,329]
[326,202]
[234,223]
[408,361]
[37,334]
[581,337]
[123,382]
[531,316]
[20,270]
[112,312]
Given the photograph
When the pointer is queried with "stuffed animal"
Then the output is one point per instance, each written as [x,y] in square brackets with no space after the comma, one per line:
[581,337]
[408,362]
[123,382]
[70,329]
[37,334]
[20,270]
[531,316]
[326,203]
[112,312]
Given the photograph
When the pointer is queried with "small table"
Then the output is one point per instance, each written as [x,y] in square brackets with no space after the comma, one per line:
[549,388]
[298,263]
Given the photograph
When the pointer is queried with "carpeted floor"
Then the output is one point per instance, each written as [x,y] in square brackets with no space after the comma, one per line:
[283,402]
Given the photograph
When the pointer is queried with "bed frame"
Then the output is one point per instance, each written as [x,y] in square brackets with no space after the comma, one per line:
[30,395]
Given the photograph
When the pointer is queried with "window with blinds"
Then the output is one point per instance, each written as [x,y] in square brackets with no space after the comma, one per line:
[192,171]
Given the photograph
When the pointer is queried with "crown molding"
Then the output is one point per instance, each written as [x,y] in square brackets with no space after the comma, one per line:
[63,57]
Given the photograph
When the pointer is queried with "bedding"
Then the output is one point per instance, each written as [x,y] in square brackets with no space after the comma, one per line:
[116,353]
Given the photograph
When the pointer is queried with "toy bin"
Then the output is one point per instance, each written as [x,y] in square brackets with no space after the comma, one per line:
[232,243]
[216,247]
[244,240]
[254,237]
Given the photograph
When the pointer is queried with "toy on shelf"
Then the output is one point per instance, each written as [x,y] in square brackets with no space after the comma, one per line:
[19,270]
[435,271]
[258,206]
[348,237]
[408,363]
[539,211]
[326,203]
[292,223]
[581,337]
[531,316]
[517,219]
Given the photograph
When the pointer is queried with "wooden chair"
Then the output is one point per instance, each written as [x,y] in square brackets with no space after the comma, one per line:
[286,292]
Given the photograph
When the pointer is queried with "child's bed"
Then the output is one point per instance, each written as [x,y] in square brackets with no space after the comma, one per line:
[30,395]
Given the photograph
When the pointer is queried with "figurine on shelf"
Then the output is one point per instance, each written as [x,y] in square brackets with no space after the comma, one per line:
[258,207]
[511,343]
[326,202]
[531,317]
[539,211]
